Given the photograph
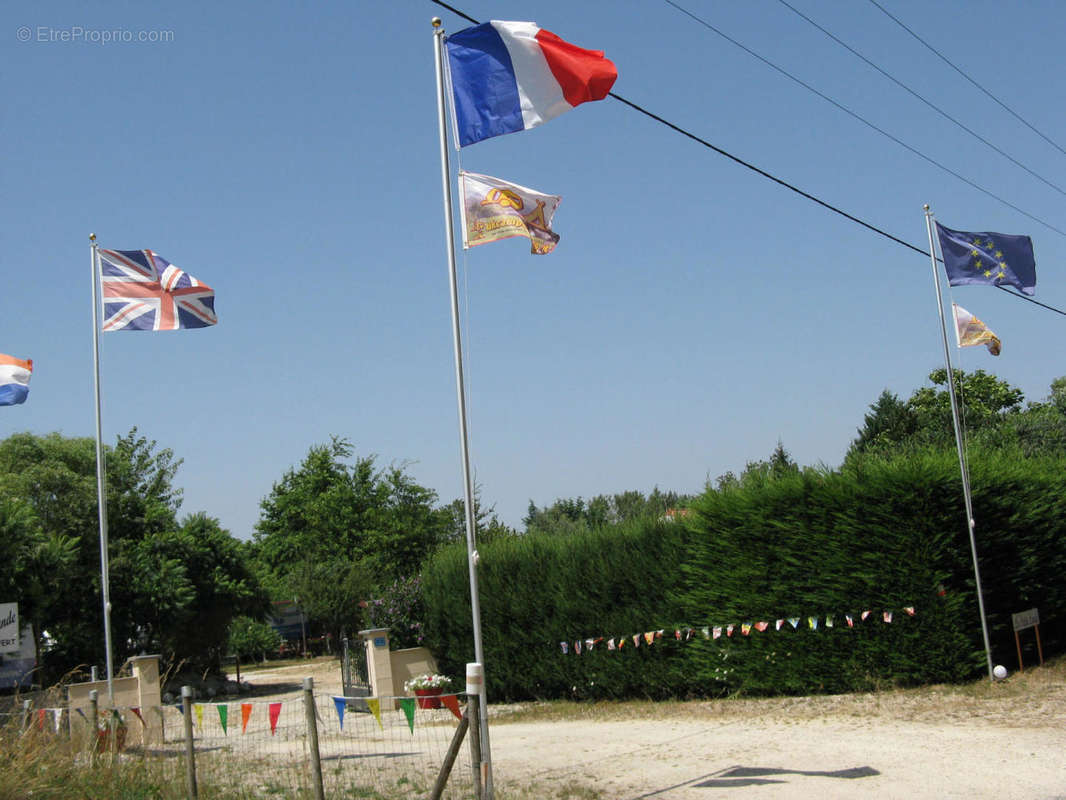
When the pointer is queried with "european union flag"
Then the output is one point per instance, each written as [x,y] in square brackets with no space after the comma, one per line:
[991,259]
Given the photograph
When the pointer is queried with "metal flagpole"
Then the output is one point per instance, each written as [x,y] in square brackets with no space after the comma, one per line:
[101,493]
[958,442]
[475,605]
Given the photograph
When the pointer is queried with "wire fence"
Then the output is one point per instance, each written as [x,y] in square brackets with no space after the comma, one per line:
[383,747]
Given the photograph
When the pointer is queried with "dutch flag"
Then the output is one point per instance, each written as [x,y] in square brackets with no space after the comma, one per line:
[14,380]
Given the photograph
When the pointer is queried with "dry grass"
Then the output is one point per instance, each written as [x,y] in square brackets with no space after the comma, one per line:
[1034,698]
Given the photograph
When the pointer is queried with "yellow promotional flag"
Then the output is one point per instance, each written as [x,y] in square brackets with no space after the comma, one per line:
[970,331]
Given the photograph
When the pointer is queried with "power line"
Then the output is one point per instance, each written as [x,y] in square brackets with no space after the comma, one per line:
[989,94]
[924,100]
[863,120]
[765,174]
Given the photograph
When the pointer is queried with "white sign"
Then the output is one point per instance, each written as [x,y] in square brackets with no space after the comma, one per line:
[9,627]
[1021,620]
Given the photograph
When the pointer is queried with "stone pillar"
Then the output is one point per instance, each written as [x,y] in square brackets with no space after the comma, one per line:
[378,662]
[146,671]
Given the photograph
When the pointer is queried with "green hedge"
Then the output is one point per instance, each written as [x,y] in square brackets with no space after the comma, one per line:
[882,534]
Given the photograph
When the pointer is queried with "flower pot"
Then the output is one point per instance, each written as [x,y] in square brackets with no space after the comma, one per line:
[428,698]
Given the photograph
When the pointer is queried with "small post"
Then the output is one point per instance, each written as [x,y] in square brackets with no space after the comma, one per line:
[94,711]
[190,752]
[473,717]
[449,758]
[25,715]
[1039,649]
[312,733]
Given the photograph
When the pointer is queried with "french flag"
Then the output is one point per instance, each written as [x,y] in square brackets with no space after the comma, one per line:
[14,380]
[512,76]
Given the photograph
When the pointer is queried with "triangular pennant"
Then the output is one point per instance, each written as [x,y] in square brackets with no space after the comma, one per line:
[577,647]
[909,610]
[565,647]
[887,616]
[137,711]
[610,644]
[717,632]
[729,630]
[590,643]
[451,702]
[677,634]
[761,626]
[81,714]
[649,637]
[198,709]
[794,621]
[636,640]
[341,705]
[58,718]
[41,714]
[375,708]
[246,712]
[706,633]
[812,623]
[274,710]
[659,633]
[408,706]
[223,715]
[828,622]
[621,642]
[745,628]
[864,615]
[850,620]
[778,624]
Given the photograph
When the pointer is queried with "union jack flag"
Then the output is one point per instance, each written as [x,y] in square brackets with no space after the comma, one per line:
[145,292]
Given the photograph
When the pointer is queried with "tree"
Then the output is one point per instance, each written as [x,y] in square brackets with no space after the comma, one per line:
[334,521]
[173,587]
[889,422]
[249,638]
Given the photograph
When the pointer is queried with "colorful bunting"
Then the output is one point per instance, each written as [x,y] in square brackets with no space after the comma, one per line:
[246,712]
[223,714]
[58,718]
[408,706]
[375,708]
[274,711]
[715,632]
[198,709]
[341,705]
[451,702]
[137,712]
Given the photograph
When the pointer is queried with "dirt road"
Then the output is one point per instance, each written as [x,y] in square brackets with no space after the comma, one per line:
[1002,741]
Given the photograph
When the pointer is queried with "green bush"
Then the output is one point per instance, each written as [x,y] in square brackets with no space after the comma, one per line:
[881,534]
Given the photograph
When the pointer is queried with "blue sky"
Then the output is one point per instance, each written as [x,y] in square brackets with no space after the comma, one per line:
[693,314]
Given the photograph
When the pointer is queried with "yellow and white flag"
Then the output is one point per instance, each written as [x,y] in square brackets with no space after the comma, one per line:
[970,331]
[494,209]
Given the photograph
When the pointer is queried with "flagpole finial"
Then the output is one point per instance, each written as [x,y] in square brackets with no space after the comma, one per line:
[92,237]
[435,22]
[926,206]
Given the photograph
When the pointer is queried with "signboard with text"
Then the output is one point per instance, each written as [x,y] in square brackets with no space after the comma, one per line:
[1025,619]
[9,627]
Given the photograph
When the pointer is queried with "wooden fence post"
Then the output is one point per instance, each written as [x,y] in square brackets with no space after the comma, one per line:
[312,734]
[190,752]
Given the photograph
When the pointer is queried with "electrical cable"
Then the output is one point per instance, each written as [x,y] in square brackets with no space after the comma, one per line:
[768,175]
